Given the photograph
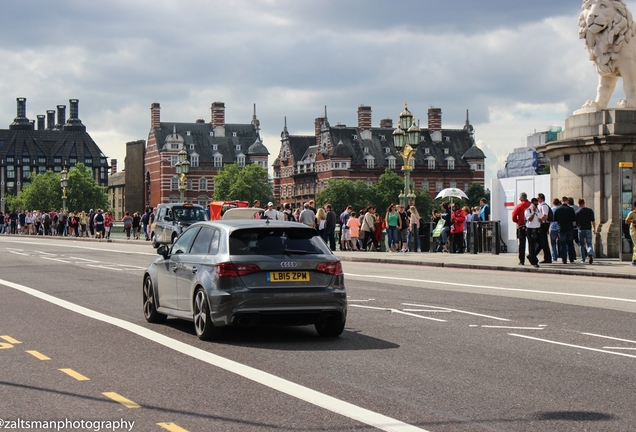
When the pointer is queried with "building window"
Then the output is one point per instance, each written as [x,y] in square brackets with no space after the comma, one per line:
[370,163]
[174,183]
[387,150]
[427,150]
[57,169]
[194,161]
[174,146]
[41,169]
[431,164]
[439,185]
[466,186]
[233,134]
[211,133]
[241,161]
[203,184]
[450,164]
[425,185]
[10,172]
[452,184]
[187,133]
[215,147]
[392,163]
[218,161]
[237,147]
[26,171]
[56,160]
[41,160]
[102,173]
[189,184]
[88,161]
[73,160]
[412,163]
[191,146]
[173,160]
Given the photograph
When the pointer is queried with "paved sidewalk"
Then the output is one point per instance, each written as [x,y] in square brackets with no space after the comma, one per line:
[602,267]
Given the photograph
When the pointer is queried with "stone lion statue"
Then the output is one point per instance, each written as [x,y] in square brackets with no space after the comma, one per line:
[608,29]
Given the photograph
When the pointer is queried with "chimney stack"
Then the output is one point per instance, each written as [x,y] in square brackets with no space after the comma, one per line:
[113,166]
[364,118]
[218,114]
[50,119]
[434,120]
[74,123]
[41,123]
[61,116]
[155,115]
[21,121]
[386,123]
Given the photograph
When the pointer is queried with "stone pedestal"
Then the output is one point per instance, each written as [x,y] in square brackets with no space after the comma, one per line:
[584,164]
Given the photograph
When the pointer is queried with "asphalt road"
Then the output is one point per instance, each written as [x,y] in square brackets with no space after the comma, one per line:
[431,349]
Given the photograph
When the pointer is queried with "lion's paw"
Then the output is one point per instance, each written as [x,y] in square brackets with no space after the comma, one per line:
[590,104]
[625,105]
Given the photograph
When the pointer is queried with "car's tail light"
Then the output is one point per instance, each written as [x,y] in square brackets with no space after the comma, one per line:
[234,270]
[334,268]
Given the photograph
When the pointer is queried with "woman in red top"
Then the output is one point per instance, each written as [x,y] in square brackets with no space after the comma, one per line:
[458,217]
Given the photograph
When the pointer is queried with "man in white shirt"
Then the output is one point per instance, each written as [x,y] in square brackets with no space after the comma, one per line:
[533,227]
[544,211]
[270,213]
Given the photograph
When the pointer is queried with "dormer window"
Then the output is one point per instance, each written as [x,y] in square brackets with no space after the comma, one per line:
[366,150]
[354,137]
[446,151]
[174,146]
[427,150]
[211,133]
[237,147]
[233,134]
[382,138]
[194,161]
[191,146]
[187,133]
[387,150]
[215,147]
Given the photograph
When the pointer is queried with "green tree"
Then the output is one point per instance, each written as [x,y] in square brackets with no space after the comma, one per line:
[83,193]
[475,193]
[341,193]
[44,193]
[245,184]
[387,190]
[424,204]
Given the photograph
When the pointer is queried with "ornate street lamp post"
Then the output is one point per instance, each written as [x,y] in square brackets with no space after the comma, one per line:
[406,138]
[63,185]
[183,168]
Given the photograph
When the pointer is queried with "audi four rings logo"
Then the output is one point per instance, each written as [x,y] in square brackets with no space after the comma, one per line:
[289,264]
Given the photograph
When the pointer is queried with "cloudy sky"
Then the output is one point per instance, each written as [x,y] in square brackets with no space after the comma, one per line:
[518,66]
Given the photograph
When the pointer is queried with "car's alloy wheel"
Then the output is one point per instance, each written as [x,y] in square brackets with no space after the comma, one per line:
[150,308]
[202,322]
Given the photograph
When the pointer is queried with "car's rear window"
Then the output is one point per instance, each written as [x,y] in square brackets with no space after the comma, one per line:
[276,241]
[189,214]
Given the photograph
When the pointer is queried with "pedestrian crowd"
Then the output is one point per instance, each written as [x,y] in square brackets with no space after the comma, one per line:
[94,224]
[554,230]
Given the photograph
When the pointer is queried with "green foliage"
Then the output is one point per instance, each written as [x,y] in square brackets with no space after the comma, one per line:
[545,169]
[475,193]
[424,204]
[387,190]
[245,184]
[45,192]
[83,193]
[341,193]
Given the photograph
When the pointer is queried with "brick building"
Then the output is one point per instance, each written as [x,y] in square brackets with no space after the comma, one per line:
[444,157]
[53,145]
[210,146]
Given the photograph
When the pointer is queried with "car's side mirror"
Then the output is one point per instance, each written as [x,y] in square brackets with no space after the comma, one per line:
[163,251]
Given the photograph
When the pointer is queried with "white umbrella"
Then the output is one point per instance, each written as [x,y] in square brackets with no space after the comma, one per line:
[452,193]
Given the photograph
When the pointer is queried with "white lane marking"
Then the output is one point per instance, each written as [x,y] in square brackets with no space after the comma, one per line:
[458,311]
[84,259]
[43,253]
[397,311]
[363,301]
[572,346]
[427,310]
[56,259]
[130,267]
[18,253]
[493,288]
[290,388]
[71,244]
[103,267]
[619,348]
[513,328]
[609,337]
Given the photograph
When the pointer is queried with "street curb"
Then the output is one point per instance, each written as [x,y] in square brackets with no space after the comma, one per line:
[522,269]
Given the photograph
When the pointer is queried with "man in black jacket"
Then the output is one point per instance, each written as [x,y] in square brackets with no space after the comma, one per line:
[330,226]
[566,218]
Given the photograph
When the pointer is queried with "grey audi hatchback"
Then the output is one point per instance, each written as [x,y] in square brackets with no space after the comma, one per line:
[247,273]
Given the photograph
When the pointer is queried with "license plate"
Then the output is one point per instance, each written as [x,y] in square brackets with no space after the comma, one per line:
[288,276]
